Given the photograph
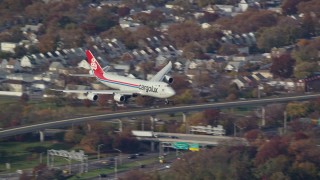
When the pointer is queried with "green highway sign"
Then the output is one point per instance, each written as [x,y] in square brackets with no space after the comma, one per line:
[181,145]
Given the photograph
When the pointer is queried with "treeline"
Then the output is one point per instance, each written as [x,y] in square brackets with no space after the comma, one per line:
[293,156]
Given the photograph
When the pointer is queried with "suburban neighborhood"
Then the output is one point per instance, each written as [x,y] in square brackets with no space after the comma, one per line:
[221,51]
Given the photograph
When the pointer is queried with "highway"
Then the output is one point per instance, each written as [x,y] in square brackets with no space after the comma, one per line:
[196,138]
[143,112]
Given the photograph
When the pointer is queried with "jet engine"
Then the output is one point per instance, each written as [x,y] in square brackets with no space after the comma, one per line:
[92,97]
[168,79]
[119,97]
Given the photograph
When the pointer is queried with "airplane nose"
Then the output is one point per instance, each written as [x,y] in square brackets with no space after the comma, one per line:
[171,92]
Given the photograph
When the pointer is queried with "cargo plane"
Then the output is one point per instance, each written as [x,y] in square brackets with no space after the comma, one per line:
[126,87]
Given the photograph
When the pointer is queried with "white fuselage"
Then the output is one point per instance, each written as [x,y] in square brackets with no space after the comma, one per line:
[138,86]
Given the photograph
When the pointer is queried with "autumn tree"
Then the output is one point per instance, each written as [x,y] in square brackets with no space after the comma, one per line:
[274,167]
[224,163]
[271,149]
[211,116]
[98,21]
[282,66]
[306,57]
[289,7]
[183,33]
[228,49]
[153,19]
[249,21]
[274,114]
[123,11]
[47,43]
[180,83]
[136,174]
[185,97]
[126,142]
[145,101]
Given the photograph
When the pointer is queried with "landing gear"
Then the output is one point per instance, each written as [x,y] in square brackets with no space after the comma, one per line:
[167,102]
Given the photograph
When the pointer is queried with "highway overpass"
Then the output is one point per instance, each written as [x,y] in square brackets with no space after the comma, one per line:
[203,140]
[143,112]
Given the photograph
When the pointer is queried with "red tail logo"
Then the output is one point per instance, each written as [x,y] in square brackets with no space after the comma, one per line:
[94,64]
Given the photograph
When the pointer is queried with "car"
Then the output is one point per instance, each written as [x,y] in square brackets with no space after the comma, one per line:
[132,156]
[103,175]
[174,137]
[111,159]
[139,154]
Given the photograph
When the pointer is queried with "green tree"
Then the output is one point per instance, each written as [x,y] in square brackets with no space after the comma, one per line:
[295,109]
[185,98]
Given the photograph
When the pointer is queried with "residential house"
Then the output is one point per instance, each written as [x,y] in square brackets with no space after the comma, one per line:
[287,84]
[13,65]
[39,85]
[8,46]
[234,66]
[31,28]
[178,65]
[56,66]
[84,64]
[121,68]
[29,61]
[21,77]
[3,63]
[14,85]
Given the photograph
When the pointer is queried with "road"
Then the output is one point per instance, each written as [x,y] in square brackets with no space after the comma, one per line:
[196,138]
[143,112]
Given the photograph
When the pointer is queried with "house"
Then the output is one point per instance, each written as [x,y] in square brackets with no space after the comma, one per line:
[124,68]
[178,65]
[15,85]
[39,85]
[13,65]
[8,46]
[55,66]
[21,77]
[28,61]
[84,64]
[31,28]
[3,63]
[234,66]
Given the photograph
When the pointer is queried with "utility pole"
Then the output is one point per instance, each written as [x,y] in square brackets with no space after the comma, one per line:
[285,122]
[99,150]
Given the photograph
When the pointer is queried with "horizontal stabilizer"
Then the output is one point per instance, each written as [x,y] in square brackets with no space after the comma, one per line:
[82,75]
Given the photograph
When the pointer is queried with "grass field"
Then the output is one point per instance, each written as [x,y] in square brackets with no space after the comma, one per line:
[20,157]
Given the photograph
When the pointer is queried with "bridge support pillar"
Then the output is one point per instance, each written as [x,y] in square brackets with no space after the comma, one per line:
[152,122]
[184,120]
[89,127]
[160,149]
[152,146]
[41,133]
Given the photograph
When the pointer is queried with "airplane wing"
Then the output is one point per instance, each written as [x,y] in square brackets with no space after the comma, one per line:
[160,75]
[123,92]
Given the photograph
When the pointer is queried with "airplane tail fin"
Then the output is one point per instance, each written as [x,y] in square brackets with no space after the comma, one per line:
[95,67]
